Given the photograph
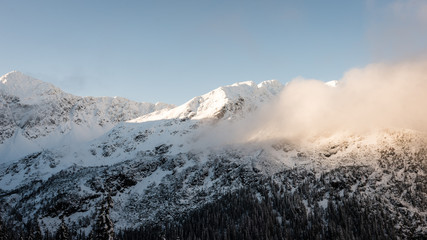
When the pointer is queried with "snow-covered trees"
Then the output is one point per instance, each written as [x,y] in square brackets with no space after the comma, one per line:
[104,227]
[267,211]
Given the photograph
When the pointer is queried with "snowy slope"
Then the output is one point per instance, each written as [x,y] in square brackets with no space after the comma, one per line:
[222,103]
[29,90]
[35,115]
[163,164]
[177,130]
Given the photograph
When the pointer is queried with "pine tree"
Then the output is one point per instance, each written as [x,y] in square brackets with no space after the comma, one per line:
[36,229]
[104,227]
[29,231]
[33,231]
[63,233]
[3,231]
[46,235]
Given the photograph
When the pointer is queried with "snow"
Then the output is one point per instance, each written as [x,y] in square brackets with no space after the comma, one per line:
[208,105]
[333,83]
[180,128]
[153,180]
[324,203]
[28,89]
[183,129]
[41,116]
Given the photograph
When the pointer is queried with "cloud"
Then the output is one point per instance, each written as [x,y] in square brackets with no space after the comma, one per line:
[379,96]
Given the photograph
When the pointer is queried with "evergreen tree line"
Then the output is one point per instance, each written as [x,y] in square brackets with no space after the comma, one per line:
[261,211]
[266,211]
[103,229]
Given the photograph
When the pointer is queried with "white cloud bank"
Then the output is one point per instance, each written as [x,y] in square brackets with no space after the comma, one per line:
[379,96]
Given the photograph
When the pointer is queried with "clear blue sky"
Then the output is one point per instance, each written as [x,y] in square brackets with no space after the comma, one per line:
[171,51]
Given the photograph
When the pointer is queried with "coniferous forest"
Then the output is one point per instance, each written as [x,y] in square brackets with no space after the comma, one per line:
[249,214]
[263,210]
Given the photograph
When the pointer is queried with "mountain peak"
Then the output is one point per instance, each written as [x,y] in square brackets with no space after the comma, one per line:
[222,102]
[249,83]
[15,76]
[27,88]
[10,76]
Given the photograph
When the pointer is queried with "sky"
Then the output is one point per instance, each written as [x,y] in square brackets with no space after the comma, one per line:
[171,51]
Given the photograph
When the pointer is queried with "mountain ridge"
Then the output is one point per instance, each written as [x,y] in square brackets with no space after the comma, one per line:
[38,114]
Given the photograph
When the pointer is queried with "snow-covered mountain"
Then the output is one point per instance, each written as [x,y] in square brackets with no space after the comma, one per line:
[160,164]
[35,115]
